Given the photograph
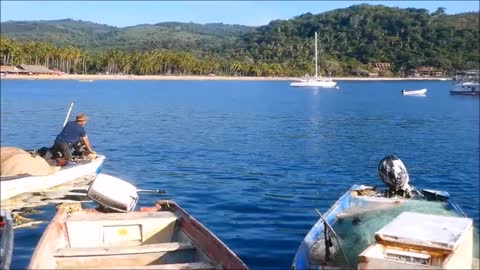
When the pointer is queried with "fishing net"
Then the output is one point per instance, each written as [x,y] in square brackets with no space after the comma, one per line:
[357,233]
[15,161]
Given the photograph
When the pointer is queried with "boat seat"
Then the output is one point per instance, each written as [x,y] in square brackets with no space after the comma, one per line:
[173,266]
[122,250]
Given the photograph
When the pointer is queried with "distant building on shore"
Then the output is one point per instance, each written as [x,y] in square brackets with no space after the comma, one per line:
[25,70]
[381,67]
[4,70]
[425,71]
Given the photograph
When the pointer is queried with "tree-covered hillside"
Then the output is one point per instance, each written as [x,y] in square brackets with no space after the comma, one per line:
[351,41]
[365,34]
[95,37]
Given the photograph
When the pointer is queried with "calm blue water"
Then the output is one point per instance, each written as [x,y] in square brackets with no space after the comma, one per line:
[251,160]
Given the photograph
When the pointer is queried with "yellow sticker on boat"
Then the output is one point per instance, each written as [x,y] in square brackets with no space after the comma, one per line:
[122,232]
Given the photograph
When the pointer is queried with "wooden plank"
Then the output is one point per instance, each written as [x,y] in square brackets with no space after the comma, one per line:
[119,216]
[176,266]
[118,250]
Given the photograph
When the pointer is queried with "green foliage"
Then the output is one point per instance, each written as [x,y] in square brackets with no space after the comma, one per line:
[351,40]
[407,38]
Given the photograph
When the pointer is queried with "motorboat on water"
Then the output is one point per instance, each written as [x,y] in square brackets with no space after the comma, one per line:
[466,83]
[316,81]
[419,92]
[397,228]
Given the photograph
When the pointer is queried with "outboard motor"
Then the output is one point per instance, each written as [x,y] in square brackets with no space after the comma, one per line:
[393,173]
[113,193]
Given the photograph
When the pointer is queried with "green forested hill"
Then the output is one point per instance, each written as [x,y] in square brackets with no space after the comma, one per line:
[351,41]
[58,32]
[95,37]
[365,34]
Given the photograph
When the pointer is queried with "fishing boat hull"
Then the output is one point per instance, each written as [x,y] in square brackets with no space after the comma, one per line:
[420,92]
[14,186]
[343,208]
[6,240]
[160,237]
[314,83]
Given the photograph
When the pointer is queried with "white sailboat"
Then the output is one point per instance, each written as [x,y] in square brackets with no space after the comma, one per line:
[314,81]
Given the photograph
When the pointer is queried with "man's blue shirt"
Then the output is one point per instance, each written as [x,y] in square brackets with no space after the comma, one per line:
[71,132]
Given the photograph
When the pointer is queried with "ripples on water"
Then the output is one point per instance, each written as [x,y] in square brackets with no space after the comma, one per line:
[251,160]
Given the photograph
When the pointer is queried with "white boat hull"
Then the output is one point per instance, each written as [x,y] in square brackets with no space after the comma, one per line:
[421,92]
[466,88]
[320,83]
[11,187]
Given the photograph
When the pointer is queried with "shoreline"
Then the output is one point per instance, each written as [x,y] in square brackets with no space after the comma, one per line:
[90,78]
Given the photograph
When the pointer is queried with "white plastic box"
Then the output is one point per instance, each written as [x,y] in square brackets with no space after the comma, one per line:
[421,241]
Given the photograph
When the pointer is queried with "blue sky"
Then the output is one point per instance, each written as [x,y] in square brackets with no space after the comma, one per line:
[253,13]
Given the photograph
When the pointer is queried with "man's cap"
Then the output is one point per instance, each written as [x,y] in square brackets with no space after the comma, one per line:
[81,117]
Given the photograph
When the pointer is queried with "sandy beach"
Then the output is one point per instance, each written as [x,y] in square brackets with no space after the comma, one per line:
[89,78]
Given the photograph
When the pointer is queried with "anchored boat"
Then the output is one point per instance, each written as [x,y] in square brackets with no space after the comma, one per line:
[6,240]
[419,92]
[355,225]
[316,81]
[466,83]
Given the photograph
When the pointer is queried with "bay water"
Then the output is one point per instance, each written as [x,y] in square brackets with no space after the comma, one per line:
[252,159]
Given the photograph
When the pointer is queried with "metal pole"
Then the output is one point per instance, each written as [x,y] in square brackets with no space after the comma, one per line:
[159,191]
[316,56]
[68,114]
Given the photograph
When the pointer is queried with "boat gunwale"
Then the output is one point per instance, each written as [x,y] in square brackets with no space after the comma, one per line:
[10,185]
[100,158]
[207,241]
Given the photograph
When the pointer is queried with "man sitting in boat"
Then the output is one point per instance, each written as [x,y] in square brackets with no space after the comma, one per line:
[70,135]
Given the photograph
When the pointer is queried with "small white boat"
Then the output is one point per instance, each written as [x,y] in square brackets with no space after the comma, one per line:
[6,240]
[420,92]
[15,185]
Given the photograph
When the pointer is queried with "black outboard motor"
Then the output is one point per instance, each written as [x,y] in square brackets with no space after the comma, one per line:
[393,173]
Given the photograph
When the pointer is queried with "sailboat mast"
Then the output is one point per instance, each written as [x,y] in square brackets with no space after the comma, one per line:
[316,60]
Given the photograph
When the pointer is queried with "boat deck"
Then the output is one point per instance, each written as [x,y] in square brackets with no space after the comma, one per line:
[148,239]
